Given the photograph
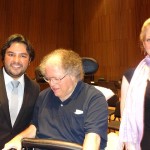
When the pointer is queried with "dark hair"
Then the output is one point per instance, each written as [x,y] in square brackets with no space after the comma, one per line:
[19,39]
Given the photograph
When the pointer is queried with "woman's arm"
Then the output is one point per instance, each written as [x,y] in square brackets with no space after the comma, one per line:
[16,141]
[91,141]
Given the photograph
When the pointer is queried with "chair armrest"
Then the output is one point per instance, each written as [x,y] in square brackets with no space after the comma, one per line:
[49,144]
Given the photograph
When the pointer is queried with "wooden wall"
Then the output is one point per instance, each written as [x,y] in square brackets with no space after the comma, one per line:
[106,30]
[47,23]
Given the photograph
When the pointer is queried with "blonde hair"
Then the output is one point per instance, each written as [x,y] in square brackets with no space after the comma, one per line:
[146,24]
[70,61]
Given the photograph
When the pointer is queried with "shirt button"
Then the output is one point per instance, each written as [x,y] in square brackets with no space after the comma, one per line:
[61,105]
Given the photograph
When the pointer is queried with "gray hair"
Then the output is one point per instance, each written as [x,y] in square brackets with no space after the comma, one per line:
[70,61]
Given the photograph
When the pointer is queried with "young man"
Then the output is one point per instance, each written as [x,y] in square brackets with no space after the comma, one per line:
[16,53]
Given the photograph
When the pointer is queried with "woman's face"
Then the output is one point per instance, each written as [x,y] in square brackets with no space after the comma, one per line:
[146,42]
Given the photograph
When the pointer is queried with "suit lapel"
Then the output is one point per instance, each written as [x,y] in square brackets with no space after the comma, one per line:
[3,98]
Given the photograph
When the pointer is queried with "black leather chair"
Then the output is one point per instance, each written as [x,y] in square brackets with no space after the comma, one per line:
[90,67]
[38,75]
[48,144]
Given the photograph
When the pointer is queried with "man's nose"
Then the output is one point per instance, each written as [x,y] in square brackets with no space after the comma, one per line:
[16,58]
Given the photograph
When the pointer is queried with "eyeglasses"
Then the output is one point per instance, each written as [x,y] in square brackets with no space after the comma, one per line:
[54,80]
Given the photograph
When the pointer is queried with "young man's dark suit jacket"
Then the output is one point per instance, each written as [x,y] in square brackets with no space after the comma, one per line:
[31,92]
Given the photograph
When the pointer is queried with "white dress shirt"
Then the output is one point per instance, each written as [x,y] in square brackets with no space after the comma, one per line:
[7,80]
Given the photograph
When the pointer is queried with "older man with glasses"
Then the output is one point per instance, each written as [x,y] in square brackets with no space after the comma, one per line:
[70,110]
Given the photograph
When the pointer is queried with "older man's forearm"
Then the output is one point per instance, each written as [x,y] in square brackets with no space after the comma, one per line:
[91,141]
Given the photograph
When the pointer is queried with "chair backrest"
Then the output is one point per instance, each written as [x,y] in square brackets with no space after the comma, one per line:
[117,113]
[49,144]
[90,65]
[113,101]
[38,75]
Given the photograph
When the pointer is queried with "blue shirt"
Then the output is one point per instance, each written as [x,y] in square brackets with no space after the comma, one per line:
[84,112]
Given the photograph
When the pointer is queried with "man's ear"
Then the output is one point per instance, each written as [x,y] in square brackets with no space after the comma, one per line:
[29,61]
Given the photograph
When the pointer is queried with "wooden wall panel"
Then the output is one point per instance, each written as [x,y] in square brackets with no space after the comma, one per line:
[108,31]
[47,23]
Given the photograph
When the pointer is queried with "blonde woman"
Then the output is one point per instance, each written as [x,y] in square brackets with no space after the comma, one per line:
[135,100]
